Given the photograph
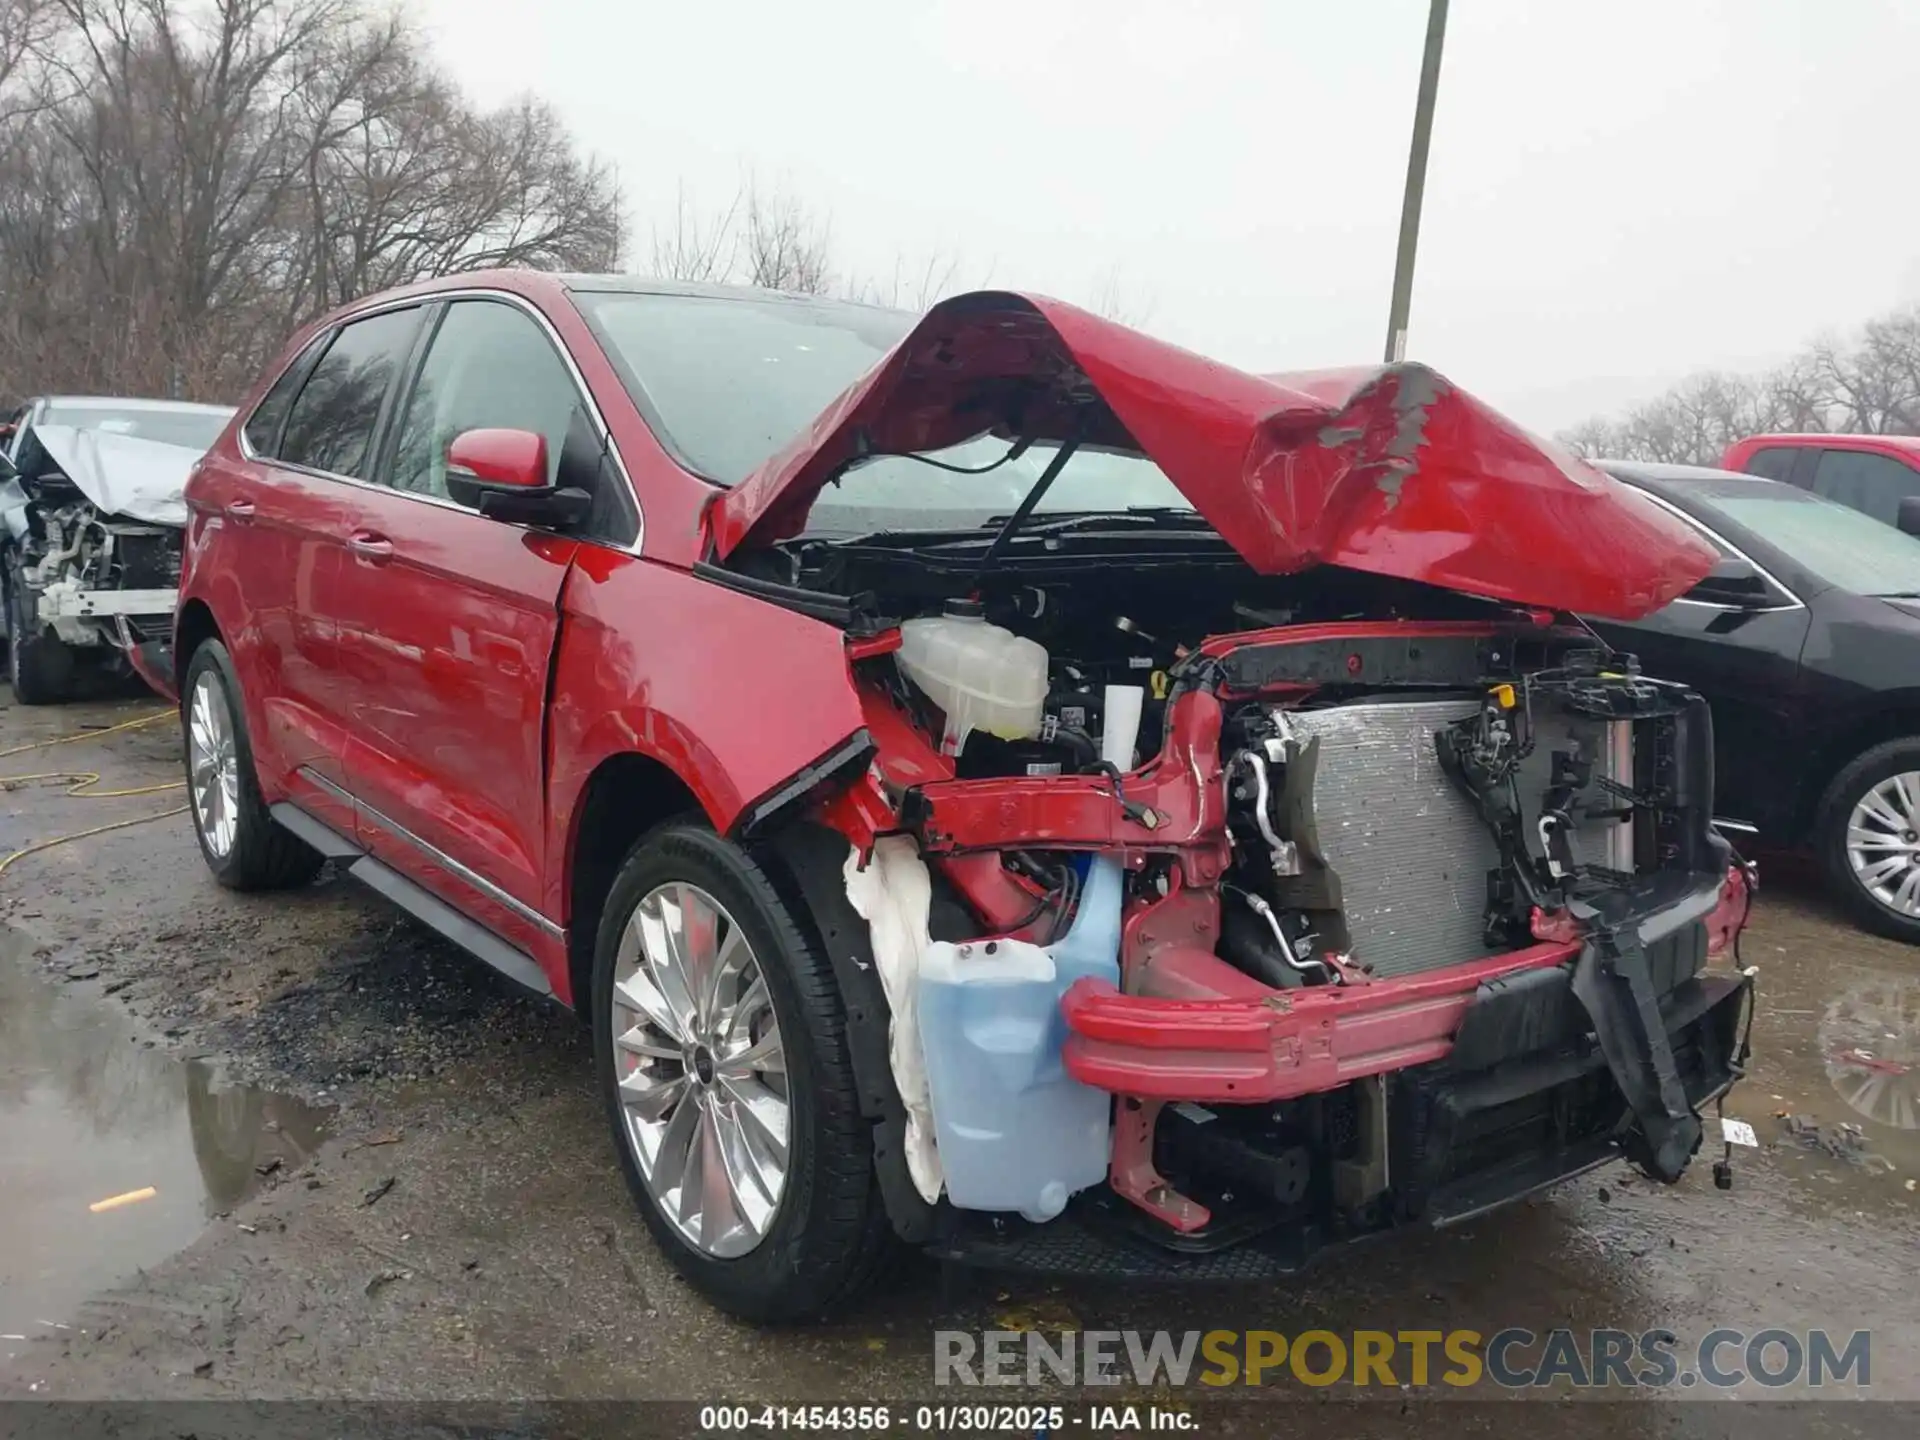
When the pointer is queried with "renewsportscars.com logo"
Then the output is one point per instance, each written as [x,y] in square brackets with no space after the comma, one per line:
[1512,1359]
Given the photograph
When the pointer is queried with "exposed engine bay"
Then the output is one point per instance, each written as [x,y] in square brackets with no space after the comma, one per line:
[1329,787]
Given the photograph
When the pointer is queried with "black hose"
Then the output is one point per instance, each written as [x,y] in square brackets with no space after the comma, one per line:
[1069,900]
[1086,750]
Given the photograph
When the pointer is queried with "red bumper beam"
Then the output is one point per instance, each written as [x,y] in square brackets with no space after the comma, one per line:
[1287,1043]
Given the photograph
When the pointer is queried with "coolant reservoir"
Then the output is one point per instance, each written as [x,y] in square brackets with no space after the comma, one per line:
[981,676]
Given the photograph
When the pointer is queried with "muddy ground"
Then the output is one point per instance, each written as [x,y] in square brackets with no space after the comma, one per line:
[380,1174]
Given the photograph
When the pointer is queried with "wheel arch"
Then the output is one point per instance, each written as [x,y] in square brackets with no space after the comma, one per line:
[626,795]
[192,627]
[1893,717]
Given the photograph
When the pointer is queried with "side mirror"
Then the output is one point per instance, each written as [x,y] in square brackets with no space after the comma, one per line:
[1908,517]
[503,475]
[1732,582]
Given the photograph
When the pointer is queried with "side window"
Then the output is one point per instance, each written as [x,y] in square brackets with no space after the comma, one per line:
[330,426]
[491,365]
[263,425]
[1775,462]
[1875,484]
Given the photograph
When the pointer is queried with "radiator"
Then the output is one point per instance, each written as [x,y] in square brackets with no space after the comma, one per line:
[1410,850]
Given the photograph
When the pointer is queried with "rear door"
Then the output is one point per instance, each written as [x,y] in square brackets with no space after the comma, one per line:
[309,447]
[273,551]
[450,625]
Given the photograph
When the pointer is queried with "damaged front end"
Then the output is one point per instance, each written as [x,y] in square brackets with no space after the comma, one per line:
[1412,919]
[94,524]
[1236,889]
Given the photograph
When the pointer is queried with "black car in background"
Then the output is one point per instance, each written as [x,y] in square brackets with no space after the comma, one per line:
[1806,642]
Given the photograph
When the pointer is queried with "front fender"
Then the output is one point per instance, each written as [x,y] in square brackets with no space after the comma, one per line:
[736,697]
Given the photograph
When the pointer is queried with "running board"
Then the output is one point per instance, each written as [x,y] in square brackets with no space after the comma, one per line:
[469,935]
[426,907]
[324,838]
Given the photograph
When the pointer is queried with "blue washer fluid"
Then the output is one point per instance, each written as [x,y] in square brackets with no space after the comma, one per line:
[1016,1132]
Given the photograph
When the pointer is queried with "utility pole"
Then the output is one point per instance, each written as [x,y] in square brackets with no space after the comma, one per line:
[1416,182]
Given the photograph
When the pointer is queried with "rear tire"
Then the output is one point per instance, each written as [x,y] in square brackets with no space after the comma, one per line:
[1864,802]
[244,846]
[39,663]
[821,1241]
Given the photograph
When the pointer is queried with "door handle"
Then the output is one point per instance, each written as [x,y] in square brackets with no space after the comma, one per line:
[370,546]
[239,511]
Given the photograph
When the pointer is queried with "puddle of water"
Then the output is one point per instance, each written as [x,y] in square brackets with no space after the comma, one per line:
[88,1113]
[1839,1044]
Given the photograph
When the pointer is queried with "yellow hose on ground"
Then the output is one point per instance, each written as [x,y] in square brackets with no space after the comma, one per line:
[78,736]
[81,782]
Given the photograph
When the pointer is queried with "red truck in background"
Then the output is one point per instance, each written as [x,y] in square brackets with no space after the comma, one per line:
[1876,474]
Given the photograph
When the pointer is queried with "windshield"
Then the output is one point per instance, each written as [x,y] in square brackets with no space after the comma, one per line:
[728,382]
[1838,544]
[195,429]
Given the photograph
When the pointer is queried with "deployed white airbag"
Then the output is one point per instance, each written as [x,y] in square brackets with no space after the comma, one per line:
[893,893]
[121,474]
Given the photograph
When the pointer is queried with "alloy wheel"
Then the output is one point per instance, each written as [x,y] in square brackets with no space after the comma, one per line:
[701,1070]
[213,765]
[1883,843]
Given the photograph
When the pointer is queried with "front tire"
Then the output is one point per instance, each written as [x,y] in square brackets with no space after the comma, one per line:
[244,846]
[1868,836]
[720,1044]
[39,663]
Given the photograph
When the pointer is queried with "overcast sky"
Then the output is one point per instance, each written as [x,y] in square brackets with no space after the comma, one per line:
[1619,193]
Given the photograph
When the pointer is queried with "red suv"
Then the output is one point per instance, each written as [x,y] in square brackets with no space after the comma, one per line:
[1876,474]
[990,780]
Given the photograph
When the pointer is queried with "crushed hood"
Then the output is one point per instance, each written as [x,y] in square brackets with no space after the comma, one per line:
[1391,470]
[121,474]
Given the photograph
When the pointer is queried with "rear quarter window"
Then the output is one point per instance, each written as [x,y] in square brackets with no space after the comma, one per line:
[263,425]
[330,426]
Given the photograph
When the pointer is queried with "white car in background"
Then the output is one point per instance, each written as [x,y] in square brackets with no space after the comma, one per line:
[91,523]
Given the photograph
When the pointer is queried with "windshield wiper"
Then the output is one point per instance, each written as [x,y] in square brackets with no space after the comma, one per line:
[1897,595]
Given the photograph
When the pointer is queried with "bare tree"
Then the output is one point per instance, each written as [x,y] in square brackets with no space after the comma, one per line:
[915,286]
[770,238]
[764,237]
[786,247]
[1115,300]
[703,251]
[1869,385]
[24,28]
[182,181]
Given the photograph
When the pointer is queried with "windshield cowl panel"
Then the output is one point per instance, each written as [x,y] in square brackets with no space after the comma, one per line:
[1393,471]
